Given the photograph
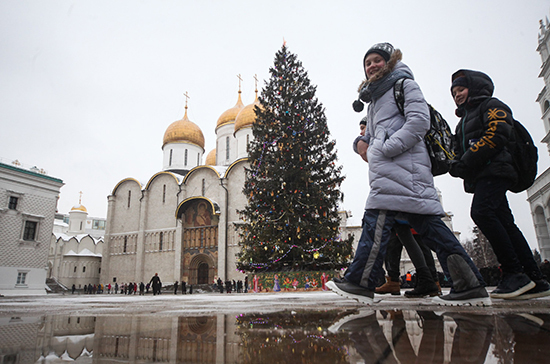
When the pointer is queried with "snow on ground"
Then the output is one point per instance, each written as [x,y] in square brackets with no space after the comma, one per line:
[234,303]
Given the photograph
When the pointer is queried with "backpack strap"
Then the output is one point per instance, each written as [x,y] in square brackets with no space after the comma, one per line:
[399,95]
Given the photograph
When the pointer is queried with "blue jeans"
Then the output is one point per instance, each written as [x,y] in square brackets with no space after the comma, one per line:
[491,213]
[371,249]
[420,255]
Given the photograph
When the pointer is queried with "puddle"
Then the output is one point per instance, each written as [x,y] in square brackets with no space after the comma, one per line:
[332,336]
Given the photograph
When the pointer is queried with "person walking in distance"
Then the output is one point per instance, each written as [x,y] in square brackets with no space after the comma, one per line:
[156,284]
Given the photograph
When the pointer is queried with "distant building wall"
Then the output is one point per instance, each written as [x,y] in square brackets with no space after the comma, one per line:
[28,202]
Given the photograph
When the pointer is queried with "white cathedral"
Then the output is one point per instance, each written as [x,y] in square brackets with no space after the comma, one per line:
[182,223]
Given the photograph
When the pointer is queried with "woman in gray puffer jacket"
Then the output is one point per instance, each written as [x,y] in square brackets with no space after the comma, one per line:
[401,185]
[399,166]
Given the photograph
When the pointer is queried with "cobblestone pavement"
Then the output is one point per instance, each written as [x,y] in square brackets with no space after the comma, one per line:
[206,303]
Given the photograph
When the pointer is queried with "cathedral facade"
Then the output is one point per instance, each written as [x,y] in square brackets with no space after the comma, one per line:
[538,194]
[182,222]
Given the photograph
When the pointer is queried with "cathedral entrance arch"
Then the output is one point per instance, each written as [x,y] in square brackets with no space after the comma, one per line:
[199,217]
[202,274]
[201,269]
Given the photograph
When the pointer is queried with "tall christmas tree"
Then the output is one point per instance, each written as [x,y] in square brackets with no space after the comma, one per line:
[291,220]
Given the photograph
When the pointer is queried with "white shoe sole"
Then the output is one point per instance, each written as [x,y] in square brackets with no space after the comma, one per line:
[481,302]
[531,296]
[338,324]
[532,318]
[362,299]
[520,291]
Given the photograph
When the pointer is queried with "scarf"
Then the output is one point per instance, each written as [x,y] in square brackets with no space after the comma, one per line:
[373,91]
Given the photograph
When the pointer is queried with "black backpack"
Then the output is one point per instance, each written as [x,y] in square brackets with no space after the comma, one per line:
[524,154]
[439,138]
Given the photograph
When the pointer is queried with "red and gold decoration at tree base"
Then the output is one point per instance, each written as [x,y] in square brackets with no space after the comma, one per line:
[291,281]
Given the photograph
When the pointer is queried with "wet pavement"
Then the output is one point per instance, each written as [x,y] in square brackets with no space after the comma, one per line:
[293,327]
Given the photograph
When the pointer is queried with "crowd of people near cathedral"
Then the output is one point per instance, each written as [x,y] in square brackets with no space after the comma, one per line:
[229,286]
[155,287]
[124,288]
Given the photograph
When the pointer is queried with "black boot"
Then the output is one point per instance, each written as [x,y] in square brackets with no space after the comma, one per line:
[425,285]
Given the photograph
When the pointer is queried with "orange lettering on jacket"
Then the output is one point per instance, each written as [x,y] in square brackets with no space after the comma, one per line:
[495,116]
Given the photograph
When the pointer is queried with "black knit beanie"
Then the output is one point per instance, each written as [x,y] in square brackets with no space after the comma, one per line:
[459,81]
[383,49]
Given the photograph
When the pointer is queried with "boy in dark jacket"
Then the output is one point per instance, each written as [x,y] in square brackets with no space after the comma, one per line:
[484,135]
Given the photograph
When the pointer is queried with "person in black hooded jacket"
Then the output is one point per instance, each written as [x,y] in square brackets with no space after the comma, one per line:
[484,161]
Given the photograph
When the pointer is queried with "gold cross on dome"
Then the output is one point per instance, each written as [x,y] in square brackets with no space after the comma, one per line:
[80,198]
[240,80]
[187,97]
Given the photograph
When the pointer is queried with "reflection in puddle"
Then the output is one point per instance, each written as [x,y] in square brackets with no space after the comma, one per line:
[359,336]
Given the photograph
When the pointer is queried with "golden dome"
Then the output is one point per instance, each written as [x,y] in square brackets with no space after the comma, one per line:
[229,116]
[211,158]
[79,207]
[184,131]
[247,116]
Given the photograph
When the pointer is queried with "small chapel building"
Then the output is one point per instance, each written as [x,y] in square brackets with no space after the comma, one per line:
[182,222]
[75,250]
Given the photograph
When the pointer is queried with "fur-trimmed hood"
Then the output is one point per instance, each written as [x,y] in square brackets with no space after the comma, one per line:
[388,68]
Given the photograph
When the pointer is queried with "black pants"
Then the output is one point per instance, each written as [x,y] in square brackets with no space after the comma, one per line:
[491,213]
[420,255]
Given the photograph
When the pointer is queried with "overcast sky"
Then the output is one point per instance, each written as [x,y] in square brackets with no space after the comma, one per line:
[88,88]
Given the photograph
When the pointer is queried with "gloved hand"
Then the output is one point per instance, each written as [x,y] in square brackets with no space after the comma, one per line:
[459,169]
